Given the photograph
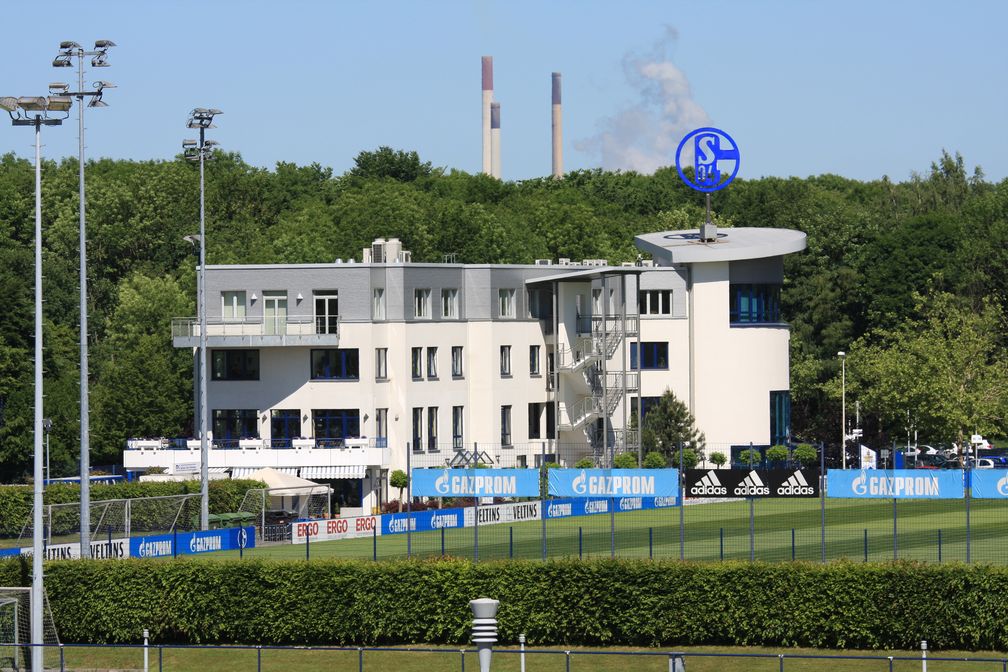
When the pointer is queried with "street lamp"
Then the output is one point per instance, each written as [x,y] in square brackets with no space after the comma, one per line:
[34,111]
[202,118]
[99,59]
[843,407]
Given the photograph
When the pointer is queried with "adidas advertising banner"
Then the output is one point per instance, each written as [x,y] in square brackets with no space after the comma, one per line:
[613,482]
[990,483]
[715,483]
[895,483]
[475,483]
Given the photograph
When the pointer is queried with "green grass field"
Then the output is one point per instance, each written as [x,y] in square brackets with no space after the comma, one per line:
[782,529]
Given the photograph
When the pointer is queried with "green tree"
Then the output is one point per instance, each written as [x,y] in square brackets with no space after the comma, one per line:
[750,456]
[655,460]
[805,454]
[690,459]
[625,461]
[777,454]
[388,163]
[399,481]
[718,459]
[669,423]
[584,463]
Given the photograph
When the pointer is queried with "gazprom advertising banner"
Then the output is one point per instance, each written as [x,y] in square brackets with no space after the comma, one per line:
[587,506]
[895,483]
[990,483]
[163,545]
[475,483]
[613,482]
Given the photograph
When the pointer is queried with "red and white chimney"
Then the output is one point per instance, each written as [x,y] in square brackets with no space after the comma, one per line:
[495,139]
[557,129]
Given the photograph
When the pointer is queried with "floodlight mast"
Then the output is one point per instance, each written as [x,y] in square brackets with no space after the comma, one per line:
[68,51]
[202,118]
[34,111]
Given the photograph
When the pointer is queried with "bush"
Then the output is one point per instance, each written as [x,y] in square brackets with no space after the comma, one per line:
[750,456]
[625,461]
[777,454]
[585,463]
[805,454]
[689,459]
[655,460]
[339,602]
[718,459]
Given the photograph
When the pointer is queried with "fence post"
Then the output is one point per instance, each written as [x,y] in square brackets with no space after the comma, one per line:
[722,544]
[866,545]
[939,544]
[146,635]
[374,540]
[307,543]
[174,546]
[511,542]
[409,500]
[650,543]
[580,542]
[682,504]
[822,496]
[442,542]
[475,518]
[360,659]
[895,542]
[612,527]
[781,657]
[752,515]
[676,662]
[160,658]
[969,496]
[259,658]
[792,545]
[567,657]
[543,495]
[63,660]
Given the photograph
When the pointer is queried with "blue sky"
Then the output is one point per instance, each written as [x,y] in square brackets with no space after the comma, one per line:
[860,89]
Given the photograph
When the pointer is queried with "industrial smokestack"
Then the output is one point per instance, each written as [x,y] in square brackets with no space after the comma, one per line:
[495,139]
[557,128]
[487,99]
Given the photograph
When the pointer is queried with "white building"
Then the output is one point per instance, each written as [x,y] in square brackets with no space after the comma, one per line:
[339,371]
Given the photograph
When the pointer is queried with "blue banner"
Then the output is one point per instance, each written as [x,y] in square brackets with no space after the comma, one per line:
[990,484]
[895,483]
[475,483]
[614,482]
[188,543]
[422,521]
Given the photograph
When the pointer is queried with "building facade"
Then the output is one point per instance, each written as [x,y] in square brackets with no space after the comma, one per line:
[342,372]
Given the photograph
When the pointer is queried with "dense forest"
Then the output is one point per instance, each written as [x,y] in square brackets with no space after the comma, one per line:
[907,277]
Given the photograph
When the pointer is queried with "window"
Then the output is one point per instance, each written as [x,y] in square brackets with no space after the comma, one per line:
[551,421]
[550,370]
[754,304]
[534,360]
[505,360]
[431,363]
[506,303]
[780,417]
[418,429]
[449,304]
[274,313]
[327,313]
[654,355]
[285,424]
[540,304]
[335,364]
[233,305]
[457,415]
[647,403]
[535,412]
[596,302]
[506,425]
[333,425]
[234,364]
[378,304]
[654,302]
[381,363]
[229,425]
[416,363]
[432,424]
[381,428]
[456,361]
[421,304]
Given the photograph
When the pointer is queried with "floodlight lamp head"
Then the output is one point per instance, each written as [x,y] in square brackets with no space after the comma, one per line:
[96,101]
[102,84]
[8,103]
[841,354]
[210,143]
[58,87]
[59,103]
[69,44]
[32,103]
[188,142]
[104,44]
[100,60]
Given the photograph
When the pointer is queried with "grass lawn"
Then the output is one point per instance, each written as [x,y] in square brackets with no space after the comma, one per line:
[782,529]
[702,659]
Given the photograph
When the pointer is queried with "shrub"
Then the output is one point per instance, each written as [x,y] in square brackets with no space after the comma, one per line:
[625,461]
[584,463]
[718,459]
[806,454]
[655,460]
[777,454]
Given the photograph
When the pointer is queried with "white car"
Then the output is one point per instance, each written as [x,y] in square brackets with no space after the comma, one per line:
[984,463]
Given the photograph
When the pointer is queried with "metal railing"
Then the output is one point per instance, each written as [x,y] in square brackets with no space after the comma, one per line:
[299,325]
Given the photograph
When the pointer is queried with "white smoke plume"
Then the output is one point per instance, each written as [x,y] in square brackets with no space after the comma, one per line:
[644,136]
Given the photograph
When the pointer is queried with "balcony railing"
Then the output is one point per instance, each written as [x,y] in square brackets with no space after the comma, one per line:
[257,444]
[189,327]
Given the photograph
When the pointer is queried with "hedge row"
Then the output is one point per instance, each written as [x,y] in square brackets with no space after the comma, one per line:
[618,602]
[16,500]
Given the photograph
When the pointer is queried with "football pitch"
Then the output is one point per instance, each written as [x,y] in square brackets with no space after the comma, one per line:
[772,530]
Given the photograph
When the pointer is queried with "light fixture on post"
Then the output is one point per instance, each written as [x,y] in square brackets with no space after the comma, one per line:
[202,118]
[843,408]
[35,111]
[70,50]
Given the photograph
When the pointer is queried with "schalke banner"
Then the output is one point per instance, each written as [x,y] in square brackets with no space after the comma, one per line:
[990,484]
[895,483]
[475,483]
[613,482]
[729,483]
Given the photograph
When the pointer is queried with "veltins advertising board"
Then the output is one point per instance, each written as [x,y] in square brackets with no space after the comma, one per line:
[475,483]
[895,483]
[717,483]
[613,482]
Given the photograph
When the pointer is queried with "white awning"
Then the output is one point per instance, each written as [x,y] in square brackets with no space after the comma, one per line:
[351,471]
[217,470]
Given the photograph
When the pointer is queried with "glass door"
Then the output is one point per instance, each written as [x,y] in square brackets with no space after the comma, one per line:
[274,313]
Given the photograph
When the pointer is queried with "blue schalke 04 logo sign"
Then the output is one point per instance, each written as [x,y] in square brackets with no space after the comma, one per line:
[712,149]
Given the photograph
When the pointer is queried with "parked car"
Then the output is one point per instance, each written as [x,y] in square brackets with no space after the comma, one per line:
[984,463]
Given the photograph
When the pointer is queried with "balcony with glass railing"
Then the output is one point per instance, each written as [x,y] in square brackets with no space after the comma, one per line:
[257,332]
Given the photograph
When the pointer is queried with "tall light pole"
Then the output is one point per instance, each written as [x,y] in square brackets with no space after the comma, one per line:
[202,118]
[843,407]
[47,426]
[99,59]
[34,111]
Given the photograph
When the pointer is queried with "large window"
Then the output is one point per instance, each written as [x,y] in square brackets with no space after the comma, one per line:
[533,360]
[780,417]
[457,427]
[416,363]
[647,403]
[381,427]
[653,355]
[285,424]
[505,425]
[432,428]
[233,305]
[234,364]
[417,428]
[540,304]
[654,301]
[456,361]
[335,364]
[506,303]
[505,360]
[333,425]
[378,304]
[535,413]
[431,363]
[327,313]
[755,304]
[449,304]
[421,304]
[231,424]
[381,363]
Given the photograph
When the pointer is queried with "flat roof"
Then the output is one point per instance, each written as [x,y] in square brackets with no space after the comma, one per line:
[732,244]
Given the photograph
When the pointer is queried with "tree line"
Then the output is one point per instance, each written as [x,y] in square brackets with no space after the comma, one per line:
[906,277]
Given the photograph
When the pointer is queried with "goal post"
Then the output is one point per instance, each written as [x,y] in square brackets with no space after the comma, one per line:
[15,631]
